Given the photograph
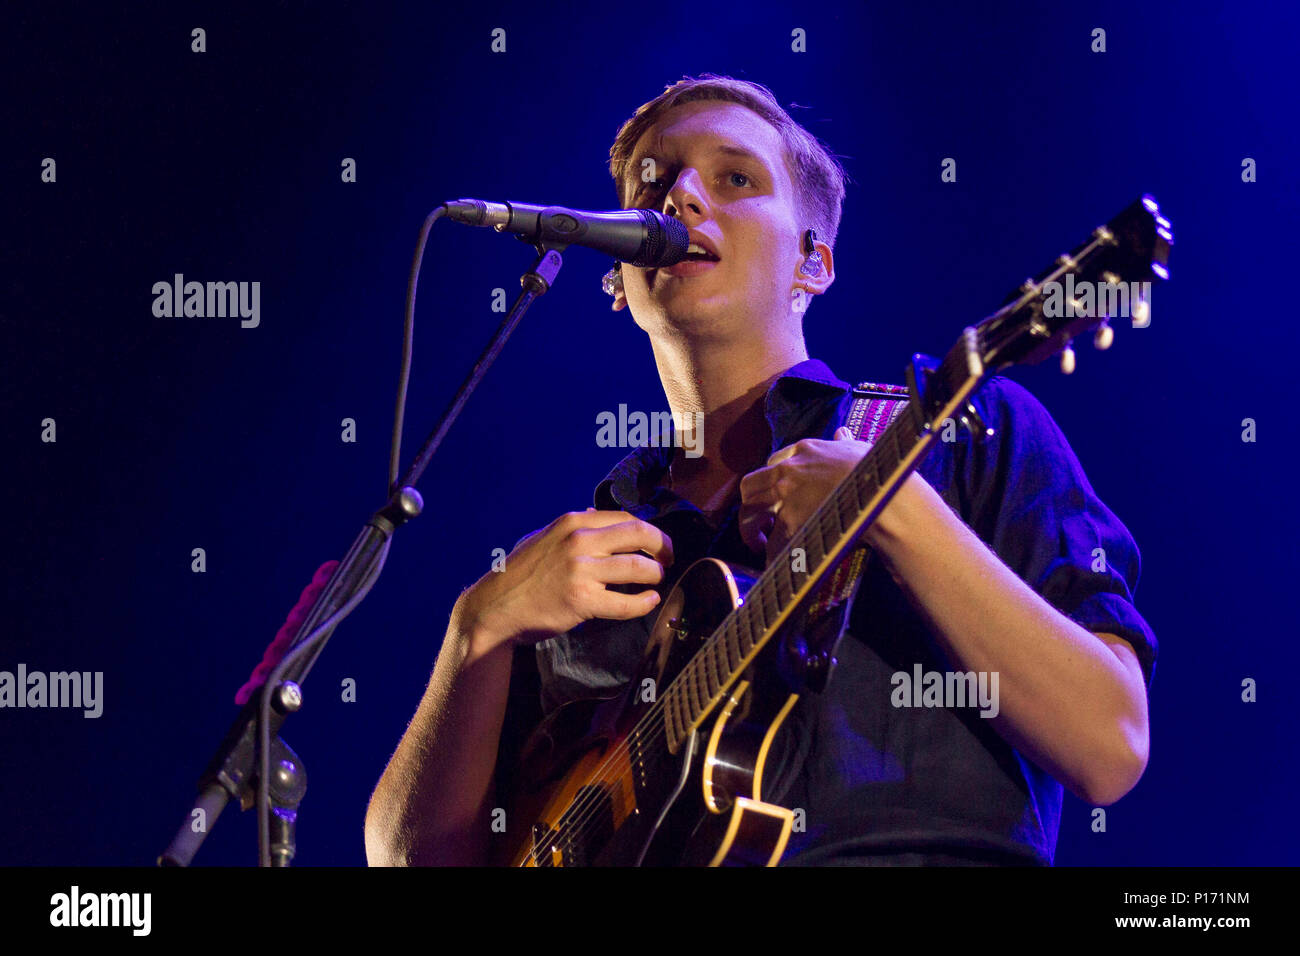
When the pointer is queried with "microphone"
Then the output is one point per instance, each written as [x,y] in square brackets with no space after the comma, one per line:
[639,237]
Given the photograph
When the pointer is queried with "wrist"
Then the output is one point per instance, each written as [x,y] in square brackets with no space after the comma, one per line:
[911,505]
[475,632]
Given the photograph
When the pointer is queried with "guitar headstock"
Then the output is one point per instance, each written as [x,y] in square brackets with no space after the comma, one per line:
[1107,276]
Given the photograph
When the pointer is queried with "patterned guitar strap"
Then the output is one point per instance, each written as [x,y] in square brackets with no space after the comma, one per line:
[874,407]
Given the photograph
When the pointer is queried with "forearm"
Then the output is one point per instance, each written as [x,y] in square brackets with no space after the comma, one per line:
[1066,700]
[432,803]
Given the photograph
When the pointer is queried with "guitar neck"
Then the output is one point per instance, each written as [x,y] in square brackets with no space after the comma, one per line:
[812,554]
[1132,248]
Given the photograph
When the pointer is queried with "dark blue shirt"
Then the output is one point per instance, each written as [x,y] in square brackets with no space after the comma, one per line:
[878,782]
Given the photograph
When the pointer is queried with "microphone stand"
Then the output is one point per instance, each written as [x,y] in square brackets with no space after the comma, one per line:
[242,763]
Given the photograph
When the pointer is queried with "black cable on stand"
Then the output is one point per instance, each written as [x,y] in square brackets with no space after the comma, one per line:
[252,756]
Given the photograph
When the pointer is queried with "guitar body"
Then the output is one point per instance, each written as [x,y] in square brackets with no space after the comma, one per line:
[602,787]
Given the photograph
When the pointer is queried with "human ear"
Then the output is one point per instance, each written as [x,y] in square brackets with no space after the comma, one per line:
[816,270]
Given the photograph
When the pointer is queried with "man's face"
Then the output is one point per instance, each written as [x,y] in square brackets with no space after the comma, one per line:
[719,168]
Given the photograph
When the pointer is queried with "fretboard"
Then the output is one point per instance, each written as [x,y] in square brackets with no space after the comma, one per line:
[815,551]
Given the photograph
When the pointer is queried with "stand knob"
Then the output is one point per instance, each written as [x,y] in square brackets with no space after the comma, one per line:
[288,698]
[409,500]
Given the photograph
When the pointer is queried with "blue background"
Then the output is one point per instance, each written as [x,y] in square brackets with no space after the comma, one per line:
[176,434]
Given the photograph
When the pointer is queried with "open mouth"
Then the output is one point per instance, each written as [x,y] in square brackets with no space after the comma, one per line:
[697,253]
[699,260]
[691,267]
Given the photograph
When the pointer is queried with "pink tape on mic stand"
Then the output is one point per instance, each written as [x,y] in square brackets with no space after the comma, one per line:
[278,647]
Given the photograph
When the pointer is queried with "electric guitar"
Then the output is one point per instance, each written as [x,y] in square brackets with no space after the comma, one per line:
[670,772]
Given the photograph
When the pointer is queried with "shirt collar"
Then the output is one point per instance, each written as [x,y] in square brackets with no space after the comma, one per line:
[792,405]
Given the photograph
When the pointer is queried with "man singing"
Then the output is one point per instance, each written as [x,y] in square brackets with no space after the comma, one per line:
[996,558]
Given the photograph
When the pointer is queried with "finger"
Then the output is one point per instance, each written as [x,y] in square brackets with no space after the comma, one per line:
[776,543]
[627,536]
[758,481]
[778,539]
[781,455]
[593,518]
[761,499]
[613,606]
[782,531]
[627,569]
[754,527]
[844,433]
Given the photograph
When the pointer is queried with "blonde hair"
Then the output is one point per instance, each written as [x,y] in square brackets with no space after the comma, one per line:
[817,175]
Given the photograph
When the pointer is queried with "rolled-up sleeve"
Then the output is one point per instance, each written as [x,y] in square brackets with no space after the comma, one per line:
[1025,494]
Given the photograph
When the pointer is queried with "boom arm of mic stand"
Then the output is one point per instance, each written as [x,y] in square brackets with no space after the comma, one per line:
[230,773]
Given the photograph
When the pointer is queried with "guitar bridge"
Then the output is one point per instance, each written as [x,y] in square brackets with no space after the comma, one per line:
[589,822]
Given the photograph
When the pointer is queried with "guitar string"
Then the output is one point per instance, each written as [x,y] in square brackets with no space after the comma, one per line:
[584,811]
[581,811]
[584,815]
[647,732]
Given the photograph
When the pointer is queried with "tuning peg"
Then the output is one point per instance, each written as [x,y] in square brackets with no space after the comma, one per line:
[1103,337]
[1141,312]
[974,424]
[1067,358]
